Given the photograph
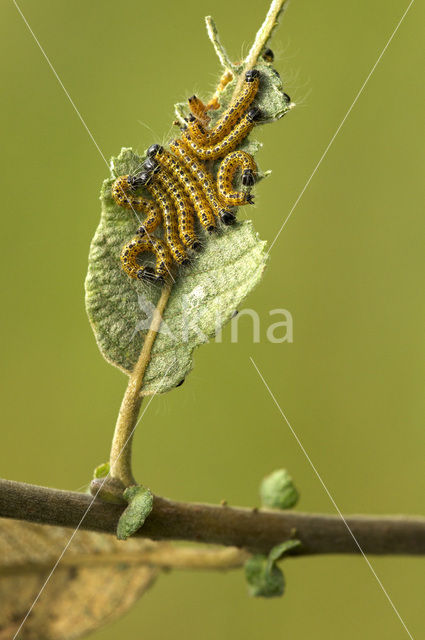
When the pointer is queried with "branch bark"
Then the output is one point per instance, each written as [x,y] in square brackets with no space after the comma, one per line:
[255,530]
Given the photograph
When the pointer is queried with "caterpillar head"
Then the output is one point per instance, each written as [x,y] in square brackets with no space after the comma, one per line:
[154,150]
[251,75]
[254,114]
[151,165]
[227,217]
[139,180]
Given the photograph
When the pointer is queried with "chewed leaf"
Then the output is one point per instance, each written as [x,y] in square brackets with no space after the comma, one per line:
[206,293]
[140,502]
[204,297]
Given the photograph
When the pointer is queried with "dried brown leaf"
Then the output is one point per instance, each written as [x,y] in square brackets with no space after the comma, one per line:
[98,579]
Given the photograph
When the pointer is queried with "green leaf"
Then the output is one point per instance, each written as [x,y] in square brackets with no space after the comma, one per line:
[281,550]
[101,471]
[265,579]
[278,491]
[206,293]
[140,502]
[263,582]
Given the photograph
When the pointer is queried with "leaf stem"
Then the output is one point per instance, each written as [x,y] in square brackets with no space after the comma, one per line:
[161,555]
[218,47]
[277,7]
[120,456]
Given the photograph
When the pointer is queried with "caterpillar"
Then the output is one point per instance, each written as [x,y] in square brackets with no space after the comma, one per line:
[235,110]
[180,184]
[198,110]
[268,56]
[121,193]
[137,245]
[195,130]
[185,217]
[170,223]
[226,173]
[157,153]
[204,179]
[228,143]
[186,220]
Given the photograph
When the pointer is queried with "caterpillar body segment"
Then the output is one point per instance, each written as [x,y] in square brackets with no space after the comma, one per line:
[195,194]
[133,249]
[170,223]
[186,222]
[122,193]
[196,131]
[150,223]
[236,108]
[204,179]
[226,174]
[227,144]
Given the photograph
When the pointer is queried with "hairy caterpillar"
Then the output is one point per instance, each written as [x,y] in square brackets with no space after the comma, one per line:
[198,110]
[138,245]
[195,128]
[228,143]
[204,179]
[185,217]
[235,110]
[186,220]
[170,223]
[268,56]
[122,193]
[157,153]
[179,181]
[226,173]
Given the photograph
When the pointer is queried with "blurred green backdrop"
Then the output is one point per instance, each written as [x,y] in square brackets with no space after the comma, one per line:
[349,267]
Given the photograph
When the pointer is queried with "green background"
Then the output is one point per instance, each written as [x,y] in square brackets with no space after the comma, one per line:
[349,267]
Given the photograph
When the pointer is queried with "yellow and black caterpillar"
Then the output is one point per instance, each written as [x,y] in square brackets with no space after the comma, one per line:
[182,186]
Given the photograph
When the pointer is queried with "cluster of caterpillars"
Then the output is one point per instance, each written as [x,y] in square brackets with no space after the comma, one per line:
[182,186]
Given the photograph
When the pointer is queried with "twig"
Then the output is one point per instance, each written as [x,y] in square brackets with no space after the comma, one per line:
[163,556]
[255,531]
[263,36]
[219,49]
[120,456]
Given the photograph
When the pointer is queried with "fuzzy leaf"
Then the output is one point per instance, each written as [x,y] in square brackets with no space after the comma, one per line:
[98,580]
[278,491]
[102,470]
[281,550]
[206,293]
[263,581]
[140,502]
